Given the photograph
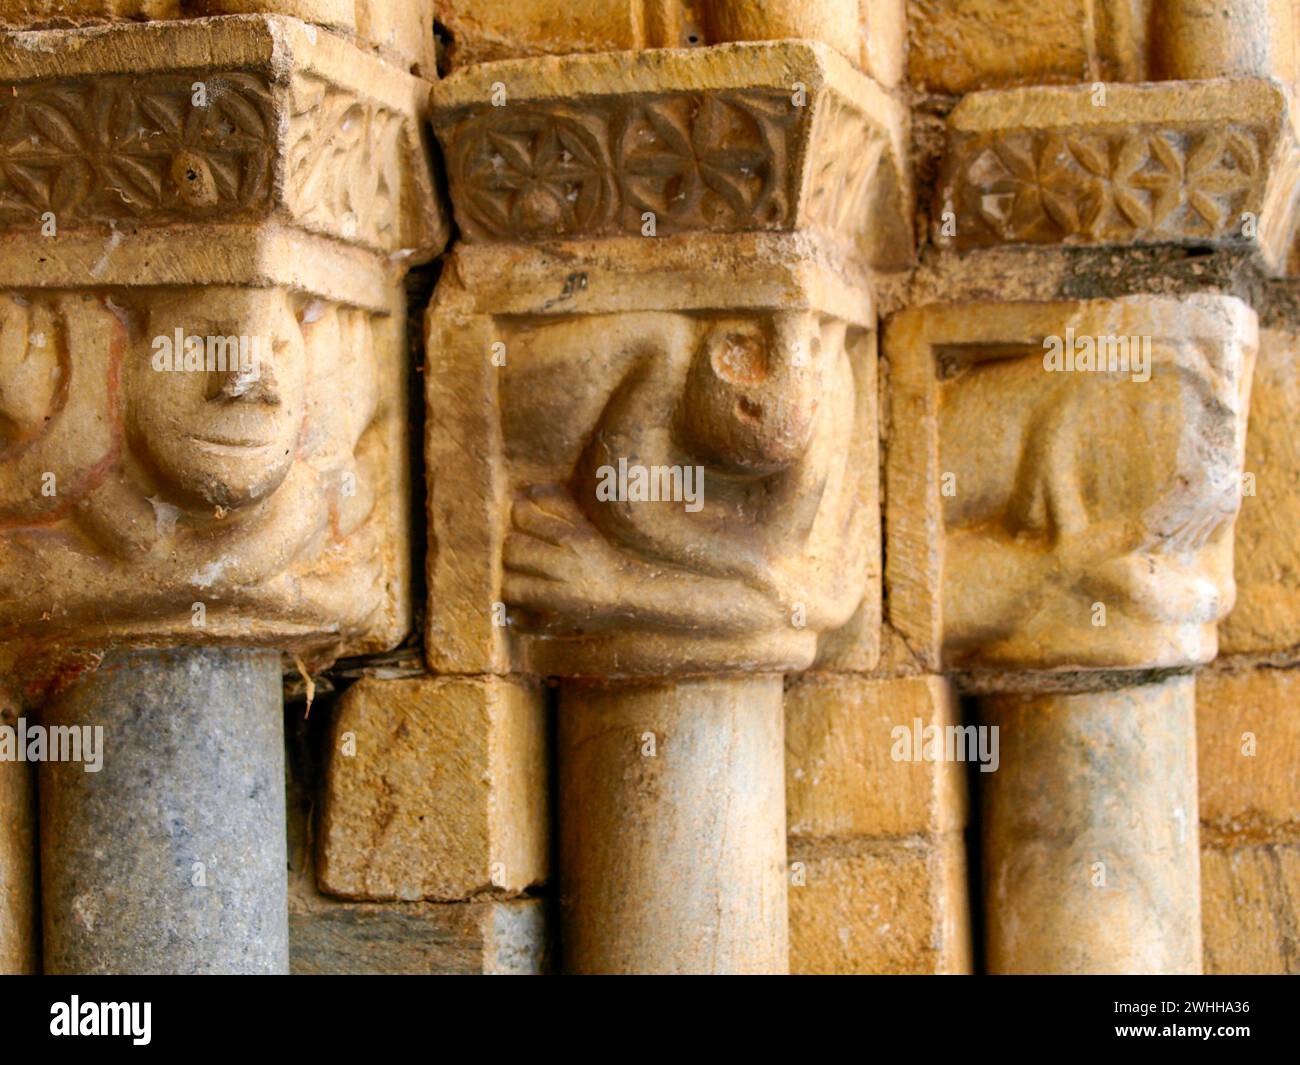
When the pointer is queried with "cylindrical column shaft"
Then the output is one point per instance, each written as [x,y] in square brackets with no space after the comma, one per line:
[171,858]
[672,826]
[1213,38]
[1091,855]
[17,864]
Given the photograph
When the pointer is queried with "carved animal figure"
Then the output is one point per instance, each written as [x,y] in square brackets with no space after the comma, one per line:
[1088,486]
[766,404]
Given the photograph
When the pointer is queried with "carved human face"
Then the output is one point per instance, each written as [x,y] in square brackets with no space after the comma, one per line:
[753,391]
[226,437]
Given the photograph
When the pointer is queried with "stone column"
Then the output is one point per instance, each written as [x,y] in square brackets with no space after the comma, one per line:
[652,451]
[1083,519]
[1090,841]
[1218,38]
[1104,612]
[170,857]
[18,906]
[672,845]
[202,335]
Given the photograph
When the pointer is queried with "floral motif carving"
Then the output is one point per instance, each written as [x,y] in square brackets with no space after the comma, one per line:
[718,162]
[135,148]
[351,165]
[845,169]
[141,150]
[1047,186]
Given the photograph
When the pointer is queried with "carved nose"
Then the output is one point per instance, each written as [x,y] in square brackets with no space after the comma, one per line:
[243,384]
[740,359]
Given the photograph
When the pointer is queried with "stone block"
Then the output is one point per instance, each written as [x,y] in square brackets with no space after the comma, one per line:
[870,32]
[880,907]
[1248,747]
[400,30]
[436,788]
[1171,163]
[960,46]
[1248,908]
[484,31]
[1248,751]
[769,137]
[855,753]
[491,938]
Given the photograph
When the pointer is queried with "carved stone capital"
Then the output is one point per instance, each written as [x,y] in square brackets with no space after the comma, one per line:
[202,338]
[649,458]
[739,138]
[201,465]
[1212,162]
[1046,515]
[174,128]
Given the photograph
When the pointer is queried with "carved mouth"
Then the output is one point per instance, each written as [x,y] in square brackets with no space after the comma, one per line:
[223,444]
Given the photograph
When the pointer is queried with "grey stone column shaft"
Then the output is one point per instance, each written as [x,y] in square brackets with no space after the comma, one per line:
[17,866]
[171,858]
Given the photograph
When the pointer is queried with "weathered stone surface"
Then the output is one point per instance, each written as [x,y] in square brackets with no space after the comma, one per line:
[1248,748]
[842,779]
[1248,751]
[437,788]
[546,379]
[270,121]
[869,32]
[260,501]
[1026,530]
[1223,38]
[1205,162]
[877,858]
[494,938]
[483,31]
[672,826]
[652,447]
[963,45]
[19,906]
[880,906]
[769,137]
[401,30]
[1266,617]
[1248,906]
[262,206]
[1090,849]
[170,858]
[873,33]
